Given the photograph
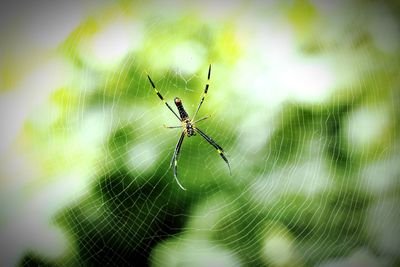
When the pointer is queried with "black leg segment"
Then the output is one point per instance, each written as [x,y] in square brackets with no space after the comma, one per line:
[205,92]
[219,149]
[174,160]
[161,97]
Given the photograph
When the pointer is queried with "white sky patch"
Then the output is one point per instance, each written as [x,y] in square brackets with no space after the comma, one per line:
[255,132]
[24,233]
[55,242]
[254,84]
[328,6]
[29,210]
[382,225]
[142,157]
[382,176]
[188,251]
[278,250]
[250,76]
[361,257]
[188,57]
[207,214]
[275,44]
[307,81]
[53,21]
[113,42]
[17,104]
[365,126]
[273,71]
[28,226]
[214,10]
[348,74]
[45,115]
[16,171]
[94,129]
[307,178]
[84,81]
[32,30]
[384,28]
[310,177]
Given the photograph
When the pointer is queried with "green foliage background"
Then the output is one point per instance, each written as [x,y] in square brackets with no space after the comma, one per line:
[304,98]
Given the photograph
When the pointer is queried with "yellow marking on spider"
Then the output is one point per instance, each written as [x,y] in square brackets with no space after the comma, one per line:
[188,125]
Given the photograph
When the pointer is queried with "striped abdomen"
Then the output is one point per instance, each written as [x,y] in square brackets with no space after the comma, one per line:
[182,111]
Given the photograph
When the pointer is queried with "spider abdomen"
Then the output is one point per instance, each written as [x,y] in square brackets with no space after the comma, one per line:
[188,127]
[182,112]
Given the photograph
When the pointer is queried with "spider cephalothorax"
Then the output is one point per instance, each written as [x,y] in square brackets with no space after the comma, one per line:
[188,126]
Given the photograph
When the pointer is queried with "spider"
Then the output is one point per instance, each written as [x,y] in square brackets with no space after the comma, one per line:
[189,127]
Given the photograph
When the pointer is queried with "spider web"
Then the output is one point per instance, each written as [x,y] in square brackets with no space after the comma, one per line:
[304,105]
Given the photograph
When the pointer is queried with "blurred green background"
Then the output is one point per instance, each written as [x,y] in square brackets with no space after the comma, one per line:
[304,97]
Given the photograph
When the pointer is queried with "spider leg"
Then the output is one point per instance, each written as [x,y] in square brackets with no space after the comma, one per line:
[205,91]
[219,149]
[161,97]
[172,127]
[174,159]
[202,119]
